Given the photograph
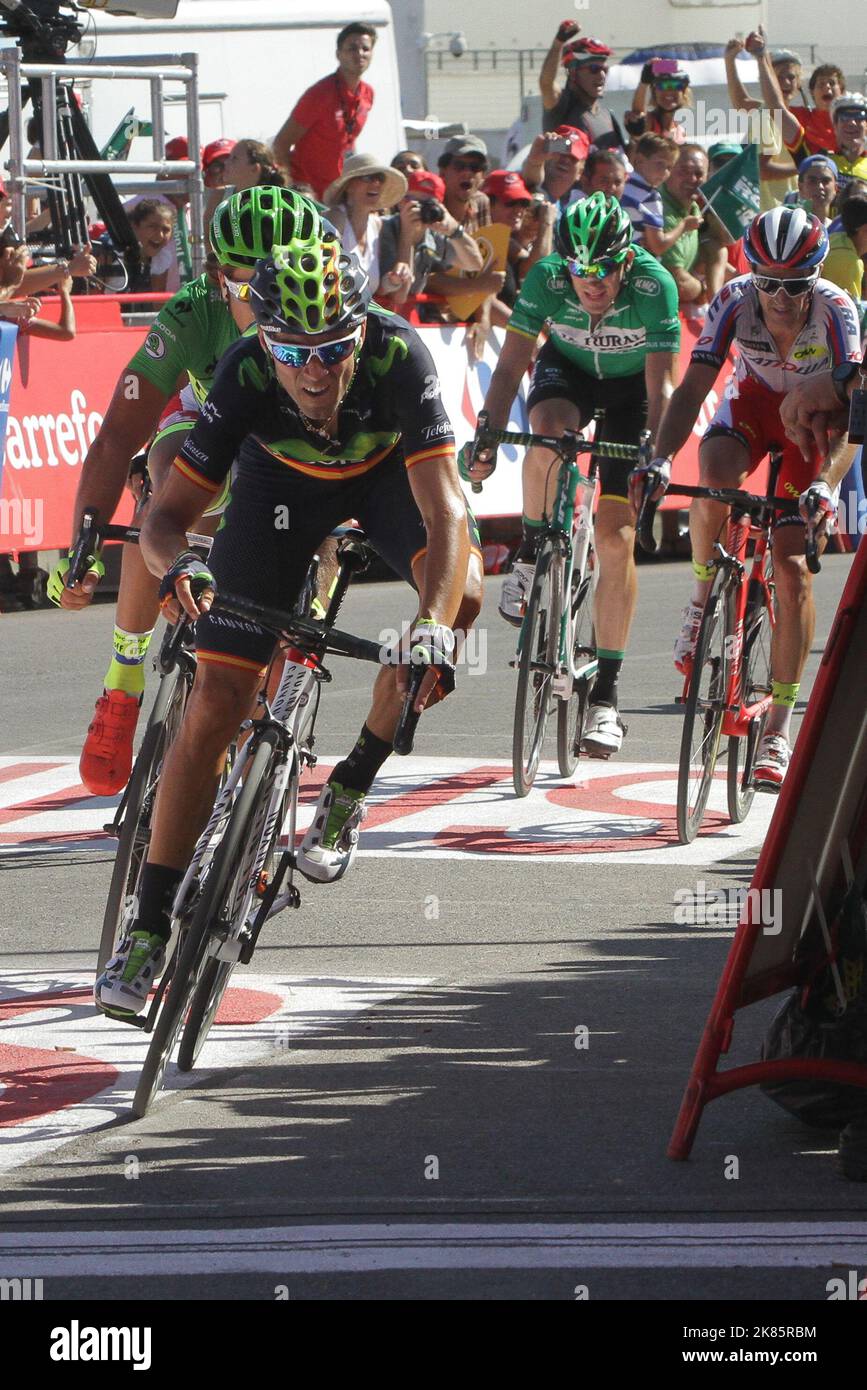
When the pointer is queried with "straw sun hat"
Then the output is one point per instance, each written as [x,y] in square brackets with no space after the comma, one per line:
[359,165]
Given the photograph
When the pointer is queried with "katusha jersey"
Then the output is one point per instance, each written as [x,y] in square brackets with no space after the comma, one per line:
[642,319]
[392,405]
[831,335]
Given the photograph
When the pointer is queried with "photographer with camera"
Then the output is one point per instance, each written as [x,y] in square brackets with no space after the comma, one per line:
[423,234]
[555,163]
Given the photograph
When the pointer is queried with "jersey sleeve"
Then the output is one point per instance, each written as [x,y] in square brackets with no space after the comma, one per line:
[535,303]
[225,419]
[656,302]
[414,388]
[163,355]
[844,336]
[717,337]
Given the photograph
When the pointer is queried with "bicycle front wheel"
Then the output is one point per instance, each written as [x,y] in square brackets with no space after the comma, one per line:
[540,635]
[755,686]
[572,712]
[164,722]
[703,716]
[194,951]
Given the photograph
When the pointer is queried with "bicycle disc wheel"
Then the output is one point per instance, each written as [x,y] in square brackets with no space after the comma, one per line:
[755,685]
[135,831]
[539,639]
[239,901]
[192,953]
[703,716]
[571,713]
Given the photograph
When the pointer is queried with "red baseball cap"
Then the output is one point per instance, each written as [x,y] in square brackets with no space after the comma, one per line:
[584,51]
[579,141]
[507,185]
[179,148]
[218,149]
[423,181]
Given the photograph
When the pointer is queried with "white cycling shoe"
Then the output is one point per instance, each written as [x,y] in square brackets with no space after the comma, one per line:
[603,732]
[127,980]
[684,647]
[772,763]
[516,591]
[331,842]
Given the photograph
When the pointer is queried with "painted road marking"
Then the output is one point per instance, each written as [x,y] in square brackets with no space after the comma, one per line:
[294,1250]
[66,1069]
[435,808]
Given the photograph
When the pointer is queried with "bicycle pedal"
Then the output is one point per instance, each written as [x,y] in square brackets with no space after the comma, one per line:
[112,830]
[261,885]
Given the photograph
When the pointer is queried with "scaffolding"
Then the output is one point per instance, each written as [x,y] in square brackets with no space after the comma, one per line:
[178,175]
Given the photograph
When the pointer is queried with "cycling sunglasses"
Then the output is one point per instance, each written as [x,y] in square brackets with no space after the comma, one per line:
[239,289]
[597,270]
[769,284]
[329,354]
[671,84]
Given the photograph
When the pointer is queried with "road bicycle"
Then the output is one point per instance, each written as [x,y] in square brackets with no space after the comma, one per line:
[727,687]
[556,656]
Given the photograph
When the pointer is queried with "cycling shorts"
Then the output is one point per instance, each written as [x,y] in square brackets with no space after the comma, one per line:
[623,398]
[753,418]
[178,418]
[255,555]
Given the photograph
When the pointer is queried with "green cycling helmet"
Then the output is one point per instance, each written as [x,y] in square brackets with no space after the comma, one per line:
[309,286]
[246,226]
[594,229]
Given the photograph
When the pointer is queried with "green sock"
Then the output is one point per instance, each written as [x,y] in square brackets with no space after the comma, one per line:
[783,697]
[126,670]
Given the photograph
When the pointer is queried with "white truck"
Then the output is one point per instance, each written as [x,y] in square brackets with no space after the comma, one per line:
[256,57]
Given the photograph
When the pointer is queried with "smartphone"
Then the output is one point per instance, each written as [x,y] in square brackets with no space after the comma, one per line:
[663,66]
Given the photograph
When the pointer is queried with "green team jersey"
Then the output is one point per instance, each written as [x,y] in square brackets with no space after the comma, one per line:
[642,319]
[190,334]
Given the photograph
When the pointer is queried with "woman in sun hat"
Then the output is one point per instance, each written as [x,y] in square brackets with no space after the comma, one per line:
[355,202]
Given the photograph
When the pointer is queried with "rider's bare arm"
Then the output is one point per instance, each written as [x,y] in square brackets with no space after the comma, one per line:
[515,358]
[438,495]
[683,408]
[660,372]
[172,514]
[129,422]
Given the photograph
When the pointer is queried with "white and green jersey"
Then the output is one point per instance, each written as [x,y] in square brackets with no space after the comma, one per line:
[642,319]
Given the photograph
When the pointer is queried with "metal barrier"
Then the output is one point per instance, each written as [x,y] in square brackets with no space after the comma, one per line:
[21,169]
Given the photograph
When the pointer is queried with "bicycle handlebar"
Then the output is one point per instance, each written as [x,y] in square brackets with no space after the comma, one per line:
[732,497]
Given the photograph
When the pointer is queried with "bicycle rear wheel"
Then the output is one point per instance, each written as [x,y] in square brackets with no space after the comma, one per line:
[240,899]
[572,712]
[163,724]
[755,685]
[703,715]
[539,642]
[193,951]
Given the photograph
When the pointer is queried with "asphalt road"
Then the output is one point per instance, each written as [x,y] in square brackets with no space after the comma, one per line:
[414,1114]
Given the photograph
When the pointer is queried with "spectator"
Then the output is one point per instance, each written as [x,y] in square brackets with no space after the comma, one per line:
[817,185]
[509,199]
[604,172]
[555,163]
[355,201]
[654,158]
[328,118]
[425,245]
[719,155]
[578,102]
[780,79]
[463,165]
[698,272]
[214,158]
[855,188]
[250,163]
[844,265]
[668,84]
[408,162]
[152,221]
[826,84]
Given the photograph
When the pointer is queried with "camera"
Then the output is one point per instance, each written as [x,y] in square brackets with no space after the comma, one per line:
[431,211]
[457,45]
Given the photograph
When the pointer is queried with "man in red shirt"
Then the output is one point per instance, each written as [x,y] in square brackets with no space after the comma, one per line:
[328,118]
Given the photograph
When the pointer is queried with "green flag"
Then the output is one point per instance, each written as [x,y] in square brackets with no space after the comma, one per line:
[118,143]
[733,192]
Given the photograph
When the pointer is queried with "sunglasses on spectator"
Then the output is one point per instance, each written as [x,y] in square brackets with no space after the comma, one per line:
[671,84]
[769,284]
[597,270]
[472,166]
[595,68]
[329,354]
[372,178]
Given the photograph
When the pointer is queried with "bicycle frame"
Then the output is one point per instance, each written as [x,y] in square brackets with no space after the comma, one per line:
[739,716]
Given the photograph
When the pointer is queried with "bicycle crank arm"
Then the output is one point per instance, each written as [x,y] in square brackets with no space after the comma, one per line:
[267,908]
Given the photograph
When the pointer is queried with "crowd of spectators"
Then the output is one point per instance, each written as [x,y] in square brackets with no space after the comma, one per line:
[420,231]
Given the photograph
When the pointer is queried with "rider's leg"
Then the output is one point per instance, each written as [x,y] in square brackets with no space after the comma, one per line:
[724,462]
[616,593]
[796,622]
[551,416]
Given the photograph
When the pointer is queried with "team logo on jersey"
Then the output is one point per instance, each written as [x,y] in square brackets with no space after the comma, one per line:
[437,431]
[556,284]
[432,388]
[210,412]
[810,350]
[155,346]
[645,285]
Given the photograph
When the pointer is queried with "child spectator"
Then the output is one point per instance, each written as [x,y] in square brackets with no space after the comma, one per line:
[153,223]
[604,172]
[654,158]
[817,186]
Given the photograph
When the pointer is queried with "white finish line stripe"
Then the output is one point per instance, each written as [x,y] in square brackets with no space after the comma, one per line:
[356,1248]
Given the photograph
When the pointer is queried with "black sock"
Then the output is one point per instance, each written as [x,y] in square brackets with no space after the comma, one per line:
[359,770]
[156,895]
[529,547]
[604,690]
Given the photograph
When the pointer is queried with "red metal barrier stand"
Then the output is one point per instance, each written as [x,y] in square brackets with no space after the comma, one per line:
[705,1081]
